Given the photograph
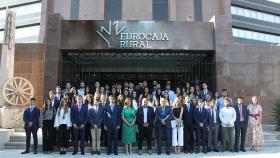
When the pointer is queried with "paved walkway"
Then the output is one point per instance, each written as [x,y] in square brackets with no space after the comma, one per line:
[266,152]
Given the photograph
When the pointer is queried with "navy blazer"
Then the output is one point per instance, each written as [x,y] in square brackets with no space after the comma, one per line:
[31,116]
[200,117]
[160,115]
[211,119]
[245,113]
[150,117]
[188,115]
[79,117]
[96,117]
[57,102]
[202,96]
[112,119]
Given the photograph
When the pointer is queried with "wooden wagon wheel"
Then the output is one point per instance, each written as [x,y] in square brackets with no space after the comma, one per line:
[18,91]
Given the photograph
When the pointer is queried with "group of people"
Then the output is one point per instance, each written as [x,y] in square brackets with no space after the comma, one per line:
[191,119]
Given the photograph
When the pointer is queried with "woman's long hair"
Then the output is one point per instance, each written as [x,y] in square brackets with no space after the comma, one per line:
[46,106]
[63,104]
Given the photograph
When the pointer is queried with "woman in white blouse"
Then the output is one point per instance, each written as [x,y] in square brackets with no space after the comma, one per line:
[62,123]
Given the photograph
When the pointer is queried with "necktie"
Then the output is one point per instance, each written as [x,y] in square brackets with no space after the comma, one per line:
[241,113]
[200,110]
[188,107]
[79,107]
[212,113]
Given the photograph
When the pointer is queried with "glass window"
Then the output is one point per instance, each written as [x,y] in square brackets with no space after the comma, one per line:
[255,14]
[247,13]
[113,9]
[240,11]
[160,9]
[27,34]
[247,34]
[233,10]
[27,9]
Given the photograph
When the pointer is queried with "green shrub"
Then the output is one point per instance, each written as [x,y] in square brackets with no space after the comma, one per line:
[276,113]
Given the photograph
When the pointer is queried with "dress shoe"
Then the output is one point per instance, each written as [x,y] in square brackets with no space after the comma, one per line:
[150,152]
[61,153]
[167,153]
[236,150]
[82,153]
[25,152]
[98,152]
[139,152]
[109,153]
[191,151]
[116,153]
[205,150]
[159,153]
[93,152]
[74,153]
[35,152]
[243,150]
[216,150]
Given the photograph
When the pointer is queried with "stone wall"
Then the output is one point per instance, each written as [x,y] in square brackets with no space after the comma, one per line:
[29,64]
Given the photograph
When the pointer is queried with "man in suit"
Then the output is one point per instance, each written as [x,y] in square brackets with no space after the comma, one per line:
[103,104]
[112,120]
[204,92]
[130,88]
[79,116]
[163,124]
[58,97]
[31,117]
[188,125]
[145,117]
[200,123]
[213,126]
[67,88]
[241,124]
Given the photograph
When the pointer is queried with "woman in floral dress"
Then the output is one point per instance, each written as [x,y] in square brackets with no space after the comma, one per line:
[254,136]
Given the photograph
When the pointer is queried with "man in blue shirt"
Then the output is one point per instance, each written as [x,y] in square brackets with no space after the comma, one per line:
[31,117]
[82,89]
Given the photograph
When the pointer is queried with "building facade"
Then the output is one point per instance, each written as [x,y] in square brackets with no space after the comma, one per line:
[28,17]
[179,40]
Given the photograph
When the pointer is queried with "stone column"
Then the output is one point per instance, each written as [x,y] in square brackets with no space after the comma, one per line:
[10,117]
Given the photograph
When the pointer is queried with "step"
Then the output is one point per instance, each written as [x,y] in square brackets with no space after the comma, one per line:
[271,143]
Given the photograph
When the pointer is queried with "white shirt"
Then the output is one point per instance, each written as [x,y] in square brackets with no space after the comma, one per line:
[145,111]
[214,114]
[227,115]
[206,105]
[134,104]
[90,106]
[62,119]
[151,104]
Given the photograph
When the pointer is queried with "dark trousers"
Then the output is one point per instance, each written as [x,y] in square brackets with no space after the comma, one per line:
[145,132]
[48,135]
[200,133]
[79,133]
[87,133]
[241,128]
[160,132]
[213,137]
[28,131]
[62,135]
[112,135]
[103,138]
[188,137]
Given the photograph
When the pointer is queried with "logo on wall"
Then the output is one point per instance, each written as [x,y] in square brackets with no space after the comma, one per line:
[117,36]
[108,31]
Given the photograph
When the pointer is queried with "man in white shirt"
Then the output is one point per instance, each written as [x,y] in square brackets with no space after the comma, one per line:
[227,116]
